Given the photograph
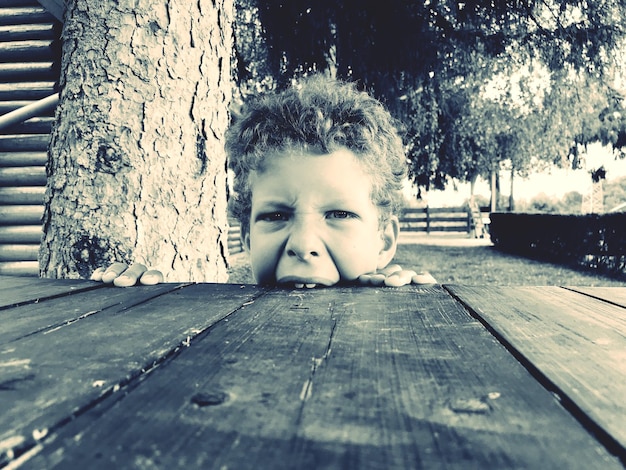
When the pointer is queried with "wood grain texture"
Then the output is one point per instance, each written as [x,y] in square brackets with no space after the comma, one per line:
[49,378]
[19,268]
[608,294]
[19,290]
[331,378]
[60,310]
[576,342]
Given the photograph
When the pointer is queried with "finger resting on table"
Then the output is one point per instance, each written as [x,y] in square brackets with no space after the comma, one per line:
[151,277]
[377,279]
[97,274]
[389,270]
[399,278]
[113,271]
[130,276]
[374,279]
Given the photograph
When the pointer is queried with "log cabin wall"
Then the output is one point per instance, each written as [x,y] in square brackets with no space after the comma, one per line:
[30,54]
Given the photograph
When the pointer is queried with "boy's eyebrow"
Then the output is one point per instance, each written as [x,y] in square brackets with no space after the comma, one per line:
[265,204]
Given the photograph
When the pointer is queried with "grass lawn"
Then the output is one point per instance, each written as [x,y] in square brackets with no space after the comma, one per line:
[481,265]
[471,265]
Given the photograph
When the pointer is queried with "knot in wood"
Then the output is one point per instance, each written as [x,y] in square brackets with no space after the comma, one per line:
[209,399]
[110,160]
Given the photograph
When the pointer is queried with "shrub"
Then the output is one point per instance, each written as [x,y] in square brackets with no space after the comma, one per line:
[596,241]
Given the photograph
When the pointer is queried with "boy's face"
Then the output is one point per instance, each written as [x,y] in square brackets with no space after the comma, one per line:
[313,221]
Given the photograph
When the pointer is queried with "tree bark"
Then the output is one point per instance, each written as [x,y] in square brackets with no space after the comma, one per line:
[136,167]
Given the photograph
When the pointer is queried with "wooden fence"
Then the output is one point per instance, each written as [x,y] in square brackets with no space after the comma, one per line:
[234,239]
[431,219]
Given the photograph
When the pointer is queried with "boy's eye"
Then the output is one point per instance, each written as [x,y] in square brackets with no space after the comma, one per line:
[340,215]
[273,217]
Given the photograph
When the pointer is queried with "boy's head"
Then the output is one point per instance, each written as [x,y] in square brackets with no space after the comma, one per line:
[347,131]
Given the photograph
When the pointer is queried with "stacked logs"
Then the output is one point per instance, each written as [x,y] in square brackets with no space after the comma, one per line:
[29,72]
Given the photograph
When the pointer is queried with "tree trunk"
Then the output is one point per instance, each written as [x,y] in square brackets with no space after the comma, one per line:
[473,180]
[136,166]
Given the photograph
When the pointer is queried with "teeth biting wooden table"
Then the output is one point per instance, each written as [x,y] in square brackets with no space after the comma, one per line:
[232,376]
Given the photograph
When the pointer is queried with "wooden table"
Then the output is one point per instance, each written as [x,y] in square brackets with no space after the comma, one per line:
[233,376]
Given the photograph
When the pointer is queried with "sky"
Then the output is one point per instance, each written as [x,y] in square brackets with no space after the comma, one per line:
[555,183]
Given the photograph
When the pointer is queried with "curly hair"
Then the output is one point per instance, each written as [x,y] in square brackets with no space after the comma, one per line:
[317,115]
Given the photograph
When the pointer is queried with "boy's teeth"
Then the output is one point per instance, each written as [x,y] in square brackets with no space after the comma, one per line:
[301,285]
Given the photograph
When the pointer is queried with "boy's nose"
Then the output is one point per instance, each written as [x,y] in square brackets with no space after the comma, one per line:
[303,242]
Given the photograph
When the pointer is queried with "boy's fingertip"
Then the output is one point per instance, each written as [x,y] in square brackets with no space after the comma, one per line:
[399,278]
[151,278]
[117,267]
[377,279]
[97,274]
[113,271]
[109,277]
[124,281]
[394,281]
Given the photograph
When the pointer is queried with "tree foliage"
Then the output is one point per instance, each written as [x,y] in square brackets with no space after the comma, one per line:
[429,61]
[615,194]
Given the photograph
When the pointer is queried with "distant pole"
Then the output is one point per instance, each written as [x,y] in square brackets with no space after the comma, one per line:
[493,188]
[511,197]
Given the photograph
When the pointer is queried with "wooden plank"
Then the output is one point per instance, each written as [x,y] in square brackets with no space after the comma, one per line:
[19,252]
[24,15]
[438,219]
[333,378]
[27,115]
[53,312]
[19,268]
[20,233]
[11,283]
[7,106]
[454,383]
[22,195]
[576,343]
[21,290]
[414,210]
[433,210]
[406,220]
[48,379]
[23,176]
[25,142]
[39,71]
[436,228]
[21,159]
[21,215]
[609,294]
[36,125]
[26,90]
[28,31]
[25,87]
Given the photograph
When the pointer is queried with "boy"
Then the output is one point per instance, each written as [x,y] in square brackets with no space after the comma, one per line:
[318,170]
